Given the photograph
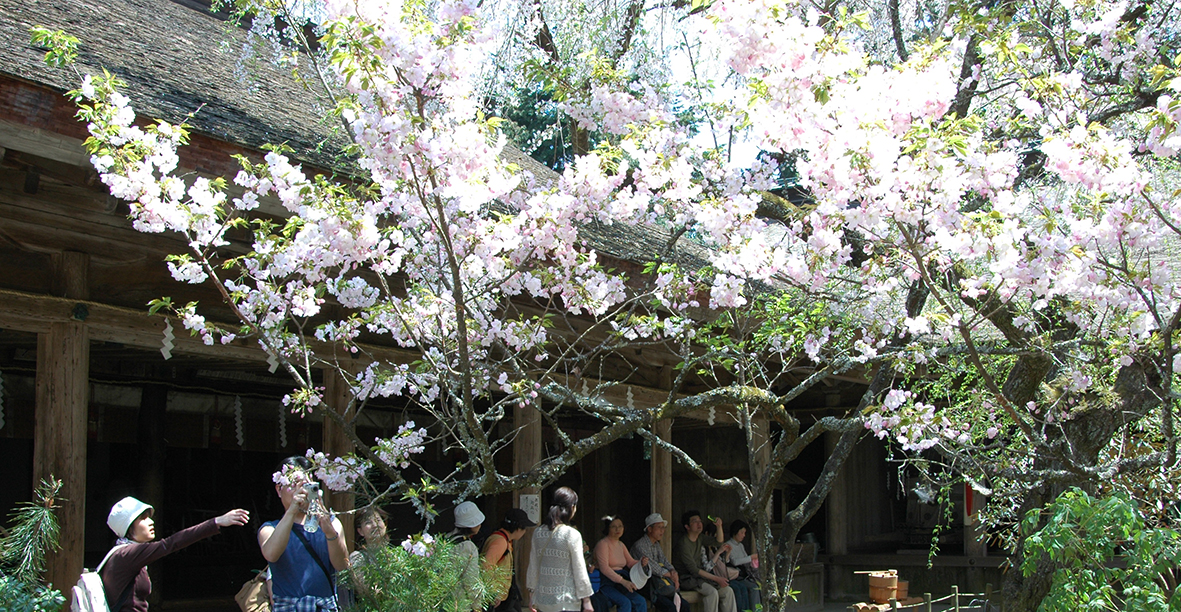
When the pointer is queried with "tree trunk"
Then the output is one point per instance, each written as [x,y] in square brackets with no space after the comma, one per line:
[1088,433]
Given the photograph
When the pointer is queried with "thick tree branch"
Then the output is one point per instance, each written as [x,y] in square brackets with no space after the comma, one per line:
[896,27]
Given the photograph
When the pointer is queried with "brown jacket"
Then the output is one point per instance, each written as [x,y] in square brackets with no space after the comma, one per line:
[131,562]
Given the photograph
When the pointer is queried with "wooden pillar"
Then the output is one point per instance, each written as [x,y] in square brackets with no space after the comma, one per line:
[526,455]
[59,439]
[337,444]
[662,483]
[152,447]
[662,471]
[838,504]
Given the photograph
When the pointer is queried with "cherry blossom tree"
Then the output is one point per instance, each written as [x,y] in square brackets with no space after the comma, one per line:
[987,234]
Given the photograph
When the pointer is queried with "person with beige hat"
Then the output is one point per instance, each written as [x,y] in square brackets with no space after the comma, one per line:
[665,582]
[125,570]
[468,520]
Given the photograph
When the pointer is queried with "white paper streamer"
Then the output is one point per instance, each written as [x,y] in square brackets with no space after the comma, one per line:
[238,418]
[585,387]
[631,399]
[712,415]
[166,346]
[1,400]
[282,426]
[274,362]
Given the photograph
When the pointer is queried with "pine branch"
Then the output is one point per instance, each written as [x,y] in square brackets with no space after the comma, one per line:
[34,534]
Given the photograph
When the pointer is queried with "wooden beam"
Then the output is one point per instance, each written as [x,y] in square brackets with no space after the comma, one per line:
[59,439]
[337,444]
[31,313]
[43,143]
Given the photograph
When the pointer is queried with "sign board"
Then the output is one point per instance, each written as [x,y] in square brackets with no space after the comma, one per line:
[531,504]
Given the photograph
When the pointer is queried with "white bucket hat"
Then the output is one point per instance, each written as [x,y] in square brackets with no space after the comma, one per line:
[467,515]
[640,574]
[124,513]
[653,519]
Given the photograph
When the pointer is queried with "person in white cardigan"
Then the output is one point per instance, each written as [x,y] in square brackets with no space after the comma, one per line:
[557,579]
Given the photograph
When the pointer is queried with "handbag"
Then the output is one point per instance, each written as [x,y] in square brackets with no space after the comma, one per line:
[663,586]
[719,567]
[721,570]
[253,596]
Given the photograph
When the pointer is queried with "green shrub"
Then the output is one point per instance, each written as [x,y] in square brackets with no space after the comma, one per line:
[423,574]
[1111,560]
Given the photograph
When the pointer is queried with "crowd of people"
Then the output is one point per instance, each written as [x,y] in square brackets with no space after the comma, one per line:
[304,551]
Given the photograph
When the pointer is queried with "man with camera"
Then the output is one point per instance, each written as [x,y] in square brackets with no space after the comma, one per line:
[304,548]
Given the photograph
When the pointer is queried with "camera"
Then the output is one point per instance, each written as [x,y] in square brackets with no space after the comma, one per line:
[313,490]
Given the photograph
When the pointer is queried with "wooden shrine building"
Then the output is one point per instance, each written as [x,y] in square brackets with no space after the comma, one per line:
[115,402]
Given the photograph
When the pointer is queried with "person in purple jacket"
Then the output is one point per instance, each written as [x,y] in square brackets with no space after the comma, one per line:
[125,572]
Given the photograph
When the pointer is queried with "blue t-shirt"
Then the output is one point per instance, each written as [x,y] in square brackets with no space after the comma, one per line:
[296,573]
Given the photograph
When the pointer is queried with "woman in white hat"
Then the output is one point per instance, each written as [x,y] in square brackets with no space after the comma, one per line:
[468,520]
[125,570]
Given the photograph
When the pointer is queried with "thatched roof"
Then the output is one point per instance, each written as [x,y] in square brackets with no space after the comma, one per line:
[177,61]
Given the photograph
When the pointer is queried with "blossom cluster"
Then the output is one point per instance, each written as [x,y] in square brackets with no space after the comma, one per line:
[448,233]
[420,545]
[337,473]
[397,450]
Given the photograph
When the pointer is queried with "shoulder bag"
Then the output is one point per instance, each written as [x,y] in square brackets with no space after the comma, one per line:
[254,596]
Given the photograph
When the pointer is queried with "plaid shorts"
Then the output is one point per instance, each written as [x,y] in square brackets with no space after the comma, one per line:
[304,604]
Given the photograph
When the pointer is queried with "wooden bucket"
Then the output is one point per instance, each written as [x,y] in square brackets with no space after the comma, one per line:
[883,586]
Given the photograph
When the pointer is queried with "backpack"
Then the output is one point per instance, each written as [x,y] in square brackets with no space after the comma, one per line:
[89,595]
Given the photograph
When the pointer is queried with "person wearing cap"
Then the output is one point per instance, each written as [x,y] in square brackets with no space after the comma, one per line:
[468,520]
[498,560]
[303,561]
[125,571]
[658,564]
[615,564]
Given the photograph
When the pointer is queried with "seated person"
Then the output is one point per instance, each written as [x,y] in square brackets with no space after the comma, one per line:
[649,546]
[687,557]
[744,562]
[613,561]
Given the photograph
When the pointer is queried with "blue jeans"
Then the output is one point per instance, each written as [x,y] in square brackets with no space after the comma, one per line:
[624,601]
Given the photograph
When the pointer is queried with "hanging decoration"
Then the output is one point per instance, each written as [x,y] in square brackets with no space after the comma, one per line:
[1,399]
[713,414]
[274,363]
[282,426]
[631,399]
[166,346]
[238,419]
[585,387]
